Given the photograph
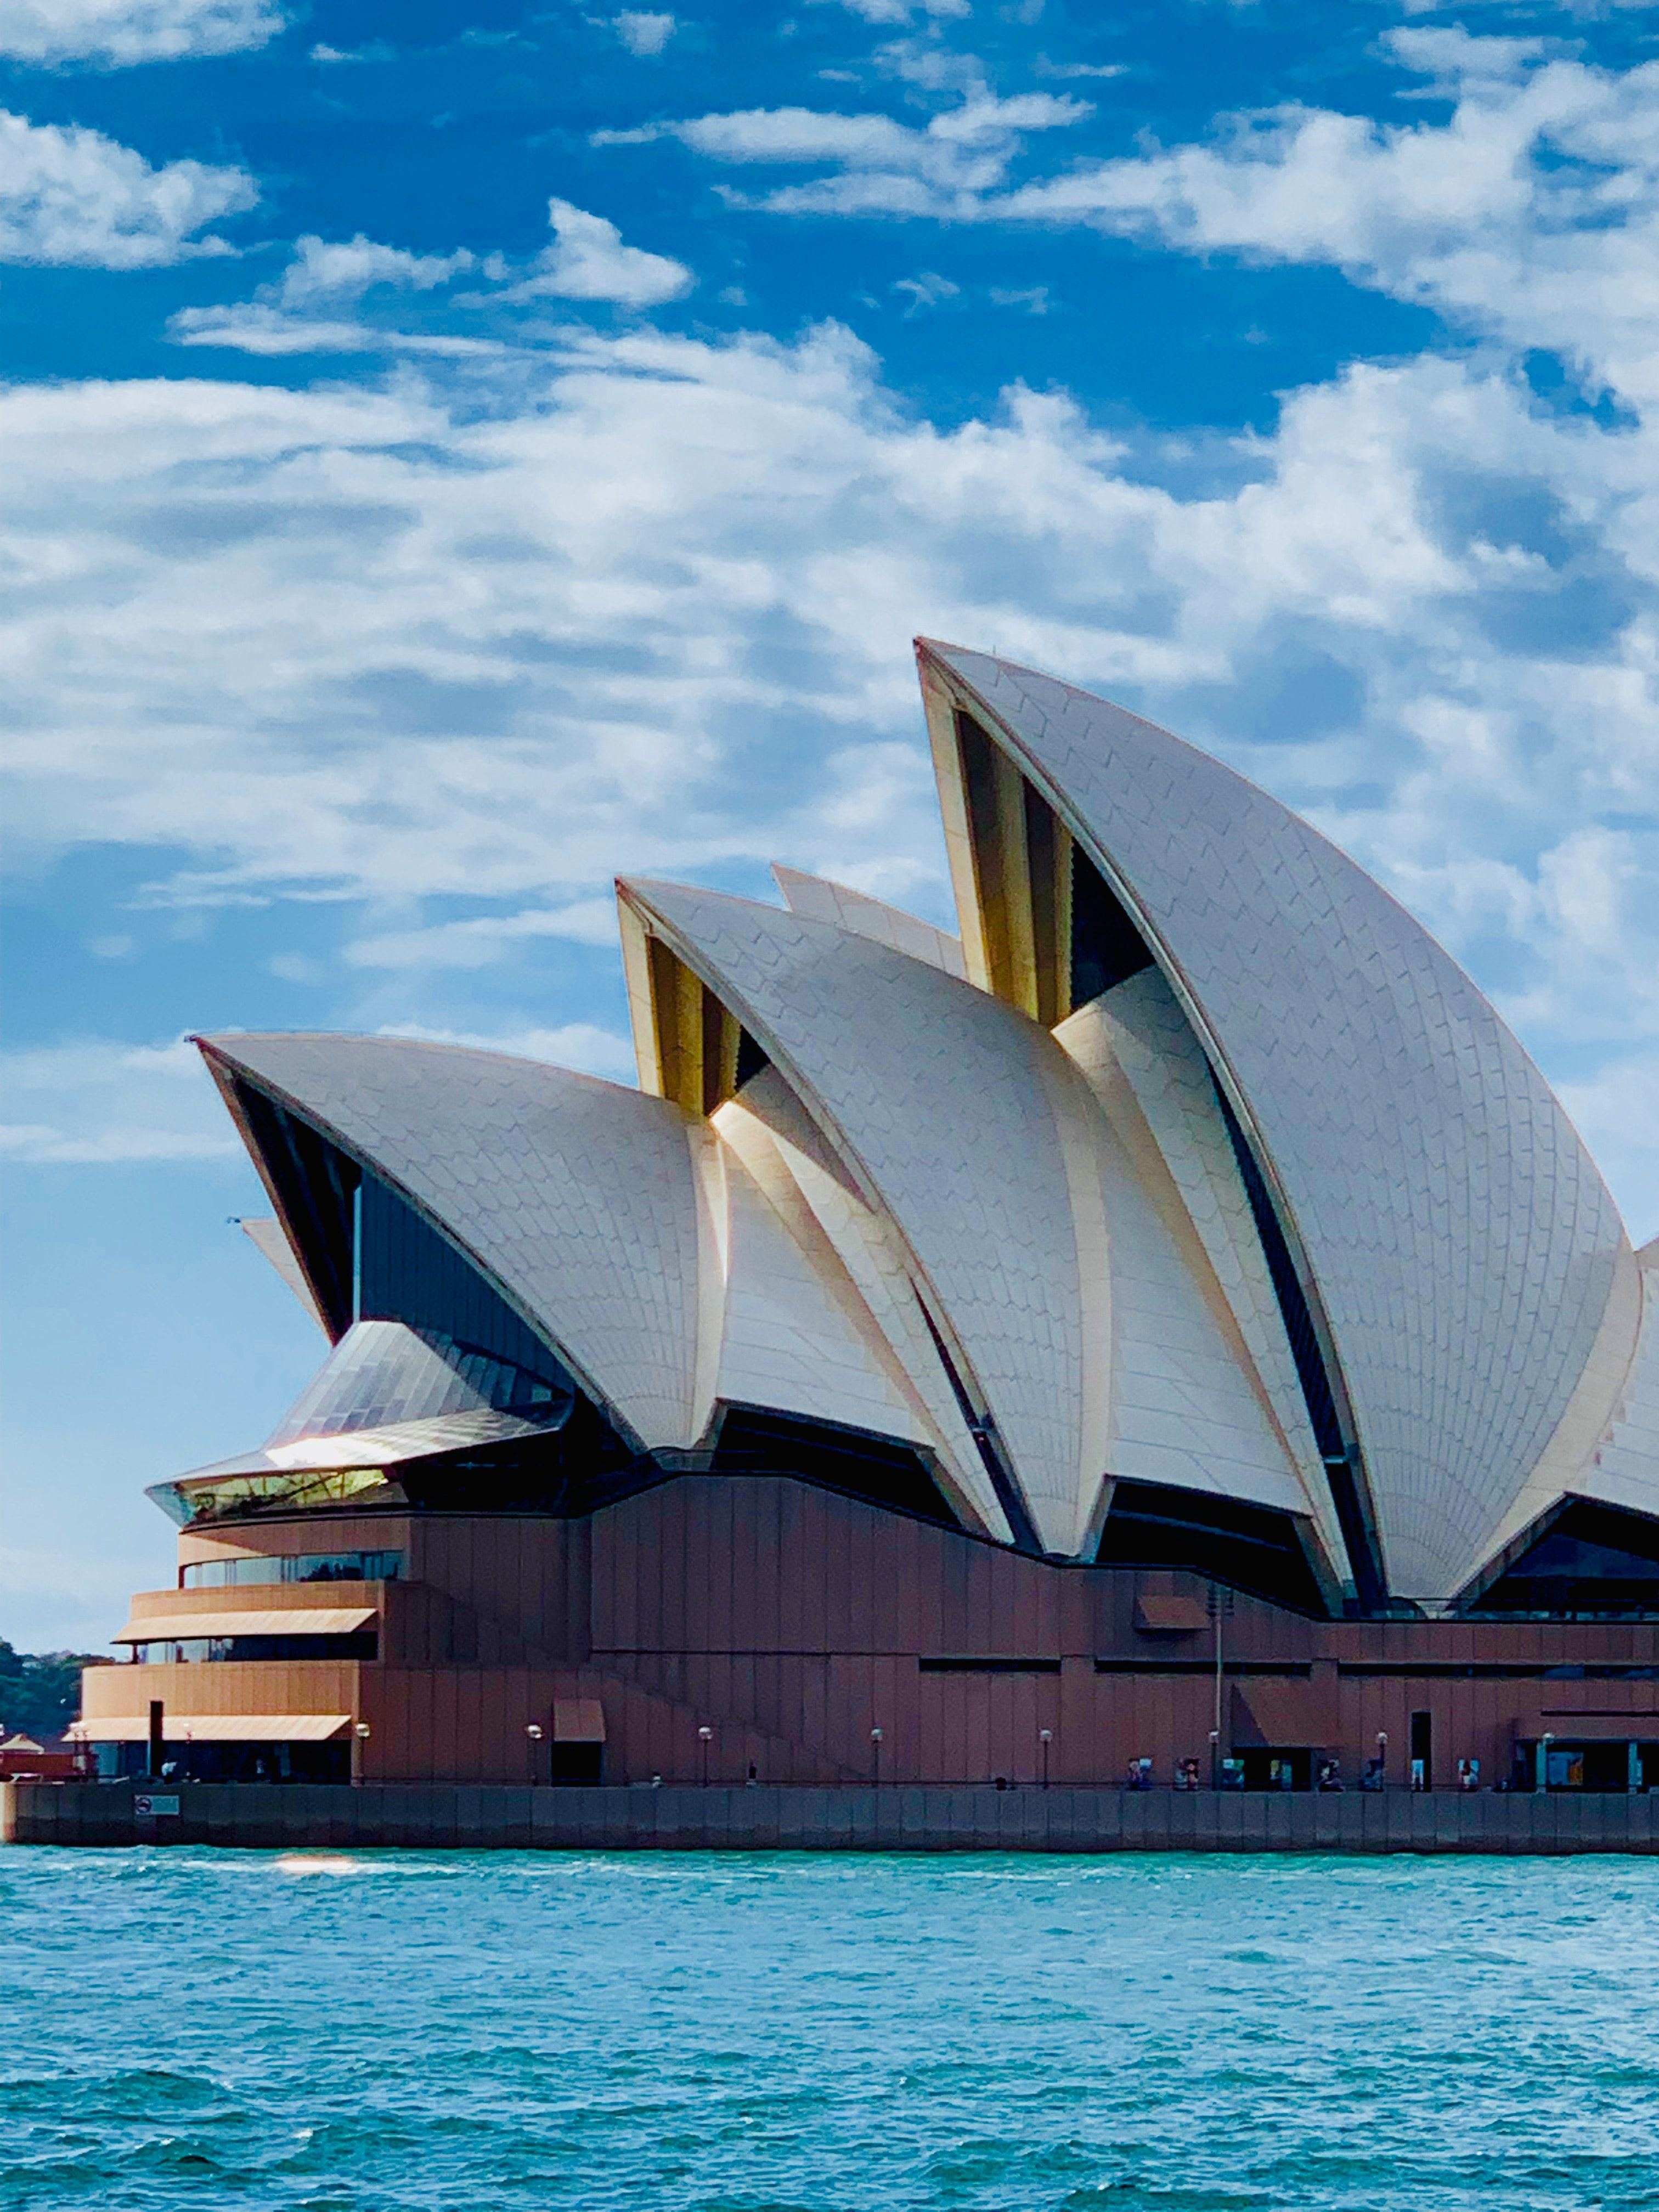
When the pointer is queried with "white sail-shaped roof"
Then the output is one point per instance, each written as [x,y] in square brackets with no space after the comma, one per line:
[791,1338]
[1185,1409]
[577,1199]
[1137,1052]
[971,1128]
[1625,1469]
[822,901]
[1459,1240]
[852,1243]
[265,1234]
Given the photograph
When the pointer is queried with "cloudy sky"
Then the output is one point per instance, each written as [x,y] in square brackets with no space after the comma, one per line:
[455,451]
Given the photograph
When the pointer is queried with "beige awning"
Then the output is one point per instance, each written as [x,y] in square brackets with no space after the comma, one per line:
[298,1620]
[1169,1616]
[578,1720]
[213,1728]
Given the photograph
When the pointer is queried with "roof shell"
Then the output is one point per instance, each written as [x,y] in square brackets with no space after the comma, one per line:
[820,900]
[1625,1470]
[1144,1064]
[789,1341]
[577,1199]
[1461,1242]
[956,1114]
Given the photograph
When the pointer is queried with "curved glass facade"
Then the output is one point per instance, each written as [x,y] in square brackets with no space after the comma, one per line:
[293,1567]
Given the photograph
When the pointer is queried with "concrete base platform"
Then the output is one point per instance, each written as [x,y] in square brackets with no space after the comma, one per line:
[897,1818]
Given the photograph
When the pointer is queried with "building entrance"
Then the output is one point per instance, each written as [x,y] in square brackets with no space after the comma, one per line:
[1616,1766]
[1276,1766]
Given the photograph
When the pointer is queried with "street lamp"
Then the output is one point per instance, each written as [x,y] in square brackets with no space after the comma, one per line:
[1045,1737]
[875,1748]
[1381,1758]
[1544,1743]
[705,1736]
[359,1736]
[1215,1759]
[532,1737]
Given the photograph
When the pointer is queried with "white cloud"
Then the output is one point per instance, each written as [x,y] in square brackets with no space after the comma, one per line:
[282,318]
[905,11]
[881,166]
[1074,71]
[257,327]
[643,33]
[376,51]
[106,1103]
[927,290]
[588,260]
[643,604]
[321,271]
[117,33]
[1614,1111]
[1036,302]
[481,942]
[1532,214]
[72,197]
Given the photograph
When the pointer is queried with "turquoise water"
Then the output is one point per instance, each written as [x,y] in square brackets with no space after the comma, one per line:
[185,2029]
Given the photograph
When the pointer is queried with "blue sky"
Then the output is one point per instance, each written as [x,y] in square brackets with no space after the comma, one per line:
[457,452]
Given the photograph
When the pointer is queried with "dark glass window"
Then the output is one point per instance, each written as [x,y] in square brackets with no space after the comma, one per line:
[1106,946]
[750,1059]
[293,1567]
[315,1186]
[1594,1560]
[410,1274]
[230,1762]
[876,1468]
[382,1373]
[364,1643]
[1319,1398]
[1248,1547]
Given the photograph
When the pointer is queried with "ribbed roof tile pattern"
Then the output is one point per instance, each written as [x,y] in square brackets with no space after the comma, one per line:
[1626,1470]
[1461,1242]
[787,1341]
[820,900]
[785,1153]
[1136,1034]
[939,1094]
[576,1196]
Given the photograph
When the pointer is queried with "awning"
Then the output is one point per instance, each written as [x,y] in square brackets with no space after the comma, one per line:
[1589,1727]
[578,1720]
[213,1728]
[1169,1616]
[298,1620]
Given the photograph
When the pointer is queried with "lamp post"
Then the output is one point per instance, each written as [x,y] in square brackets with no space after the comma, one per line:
[1544,1743]
[875,1752]
[1045,1737]
[1215,1759]
[705,1736]
[1381,1758]
[532,1736]
[359,1736]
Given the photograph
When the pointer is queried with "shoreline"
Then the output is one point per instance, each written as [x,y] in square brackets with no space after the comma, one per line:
[891,1817]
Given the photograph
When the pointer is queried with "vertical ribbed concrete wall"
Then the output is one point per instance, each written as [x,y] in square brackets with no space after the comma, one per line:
[898,1819]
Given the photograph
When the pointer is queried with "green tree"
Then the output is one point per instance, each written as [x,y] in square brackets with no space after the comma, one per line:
[41,1690]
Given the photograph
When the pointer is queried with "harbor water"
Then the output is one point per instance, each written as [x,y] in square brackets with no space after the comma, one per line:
[202,2031]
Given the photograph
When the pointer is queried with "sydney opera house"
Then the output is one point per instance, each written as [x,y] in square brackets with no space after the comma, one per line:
[1171,1321]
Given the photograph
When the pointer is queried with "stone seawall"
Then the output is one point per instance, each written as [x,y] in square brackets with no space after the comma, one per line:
[899,1818]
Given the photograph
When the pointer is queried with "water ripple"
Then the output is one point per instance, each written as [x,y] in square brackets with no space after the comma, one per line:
[190,2030]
